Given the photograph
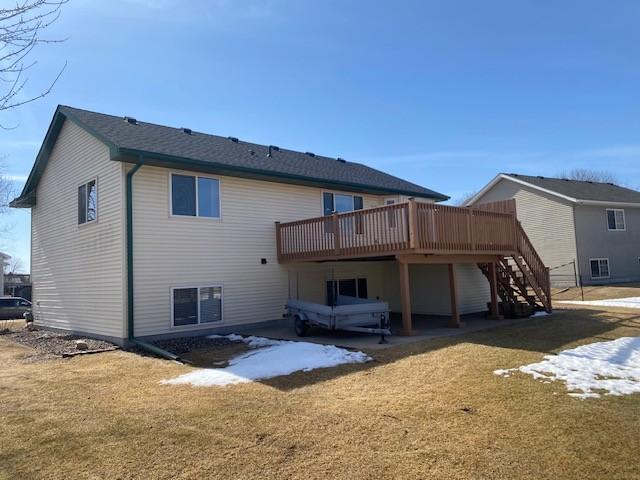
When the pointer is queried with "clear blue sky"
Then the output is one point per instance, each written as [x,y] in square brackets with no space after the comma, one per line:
[445,94]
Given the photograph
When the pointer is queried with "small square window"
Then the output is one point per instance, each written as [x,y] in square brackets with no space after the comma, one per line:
[599,267]
[196,305]
[193,196]
[615,219]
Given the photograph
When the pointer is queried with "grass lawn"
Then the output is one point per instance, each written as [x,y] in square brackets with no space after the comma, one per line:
[425,410]
[622,290]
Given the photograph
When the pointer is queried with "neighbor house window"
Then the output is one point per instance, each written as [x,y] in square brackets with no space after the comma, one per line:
[193,196]
[599,267]
[87,203]
[615,219]
[196,305]
[340,203]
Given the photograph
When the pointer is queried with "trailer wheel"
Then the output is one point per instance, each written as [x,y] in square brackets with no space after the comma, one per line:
[301,327]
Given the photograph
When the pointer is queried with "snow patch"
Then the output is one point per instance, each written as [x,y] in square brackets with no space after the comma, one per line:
[589,370]
[267,359]
[629,302]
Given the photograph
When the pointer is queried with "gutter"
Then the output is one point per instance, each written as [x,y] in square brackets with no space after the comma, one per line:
[130,303]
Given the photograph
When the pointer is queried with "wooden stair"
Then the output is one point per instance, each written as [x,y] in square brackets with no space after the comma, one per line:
[522,276]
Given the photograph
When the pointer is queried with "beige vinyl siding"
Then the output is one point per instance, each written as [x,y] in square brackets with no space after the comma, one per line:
[548,222]
[430,288]
[190,251]
[308,281]
[77,270]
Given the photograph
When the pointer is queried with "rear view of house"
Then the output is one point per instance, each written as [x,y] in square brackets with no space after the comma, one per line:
[141,230]
[594,226]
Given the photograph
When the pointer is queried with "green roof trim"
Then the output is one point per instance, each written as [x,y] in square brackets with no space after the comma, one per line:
[183,163]
[214,154]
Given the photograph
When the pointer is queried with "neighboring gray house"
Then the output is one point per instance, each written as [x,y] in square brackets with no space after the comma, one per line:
[597,225]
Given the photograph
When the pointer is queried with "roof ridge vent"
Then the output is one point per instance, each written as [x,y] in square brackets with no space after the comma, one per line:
[341,160]
[234,139]
[311,154]
[273,148]
[130,120]
[187,131]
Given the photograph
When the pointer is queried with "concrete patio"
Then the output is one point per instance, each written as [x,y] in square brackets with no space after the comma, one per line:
[425,326]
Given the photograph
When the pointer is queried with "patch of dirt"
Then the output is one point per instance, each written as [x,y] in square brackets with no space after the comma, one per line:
[183,345]
[48,344]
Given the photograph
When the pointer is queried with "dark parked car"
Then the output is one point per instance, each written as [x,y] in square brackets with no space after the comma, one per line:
[14,307]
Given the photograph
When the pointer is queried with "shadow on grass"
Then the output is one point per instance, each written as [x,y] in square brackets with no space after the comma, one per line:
[565,329]
[545,335]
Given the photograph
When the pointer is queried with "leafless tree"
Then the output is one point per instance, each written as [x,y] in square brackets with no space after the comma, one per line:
[464,198]
[7,190]
[586,175]
[15,265]
[21,29]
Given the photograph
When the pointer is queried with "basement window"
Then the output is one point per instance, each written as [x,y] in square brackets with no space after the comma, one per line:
[87,203]
[349,287]
[599,268]
[194,196]
[615,219]
[196,305]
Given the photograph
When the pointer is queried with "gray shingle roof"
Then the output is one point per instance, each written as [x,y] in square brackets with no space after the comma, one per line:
[174,142]
[580,190]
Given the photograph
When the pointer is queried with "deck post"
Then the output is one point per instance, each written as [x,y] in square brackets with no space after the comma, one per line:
[279,241]
[493,285]
[405,298]
[453,292]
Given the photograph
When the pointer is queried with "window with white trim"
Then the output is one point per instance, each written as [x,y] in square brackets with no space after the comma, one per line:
[87,202]
[615,219]
[196,305]
[599,267]
[194,196]
[341,203]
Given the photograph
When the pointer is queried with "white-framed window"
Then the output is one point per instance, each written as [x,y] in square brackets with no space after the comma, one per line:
[615,219]
[340,203]
[599,267]
[88,202]
[196,305]
[194,196]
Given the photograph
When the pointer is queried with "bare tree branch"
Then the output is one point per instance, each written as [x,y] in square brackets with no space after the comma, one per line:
[21,29]
[586,175]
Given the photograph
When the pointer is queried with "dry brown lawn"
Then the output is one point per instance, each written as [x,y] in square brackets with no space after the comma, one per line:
[426,410]
[622,290]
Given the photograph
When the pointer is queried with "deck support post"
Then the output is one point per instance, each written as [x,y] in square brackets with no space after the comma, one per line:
[453,292]
[494,314]
[405,298]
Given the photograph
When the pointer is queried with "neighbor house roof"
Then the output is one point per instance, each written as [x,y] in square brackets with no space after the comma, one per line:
[575,191]
[129,139]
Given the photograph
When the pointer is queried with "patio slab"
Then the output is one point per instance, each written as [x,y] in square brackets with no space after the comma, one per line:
[426,327]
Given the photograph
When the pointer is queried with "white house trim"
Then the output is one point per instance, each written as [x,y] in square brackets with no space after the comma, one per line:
[503,176]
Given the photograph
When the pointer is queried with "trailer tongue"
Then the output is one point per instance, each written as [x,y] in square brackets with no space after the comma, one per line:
[350,314]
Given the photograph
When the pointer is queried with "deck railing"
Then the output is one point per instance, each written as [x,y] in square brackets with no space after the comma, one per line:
[395,229]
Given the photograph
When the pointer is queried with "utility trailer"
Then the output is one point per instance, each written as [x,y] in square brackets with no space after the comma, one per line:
[349,313]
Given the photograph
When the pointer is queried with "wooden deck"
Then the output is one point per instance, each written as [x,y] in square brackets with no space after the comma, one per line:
[401,229]
[489,235]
